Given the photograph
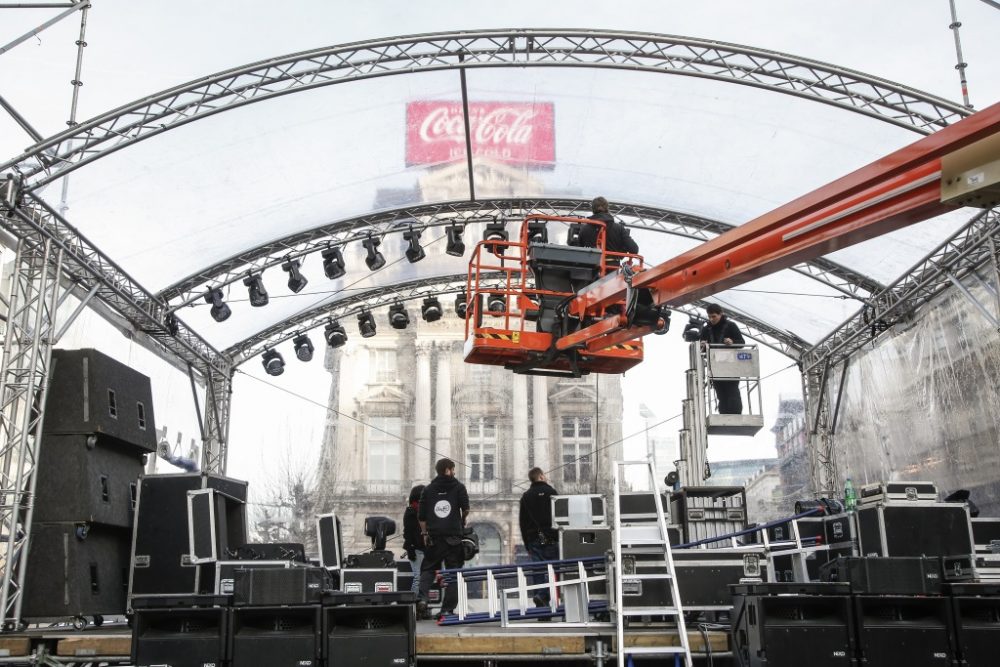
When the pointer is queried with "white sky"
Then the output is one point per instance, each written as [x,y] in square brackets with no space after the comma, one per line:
[138,48]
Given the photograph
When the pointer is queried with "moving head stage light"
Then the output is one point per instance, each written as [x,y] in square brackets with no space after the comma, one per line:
[379,528]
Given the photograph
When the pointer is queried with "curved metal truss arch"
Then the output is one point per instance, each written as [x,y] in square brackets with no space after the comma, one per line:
[769,70]
[192,289]
[343,308]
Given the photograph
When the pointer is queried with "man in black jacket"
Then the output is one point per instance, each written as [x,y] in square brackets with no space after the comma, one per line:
[535,517]
[443,507]
[617,238]
[413,540]
[720,330]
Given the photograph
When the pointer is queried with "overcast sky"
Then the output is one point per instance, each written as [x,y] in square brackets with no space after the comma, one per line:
[138,48]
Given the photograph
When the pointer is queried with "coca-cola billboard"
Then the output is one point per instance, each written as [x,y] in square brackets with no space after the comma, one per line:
[512,132]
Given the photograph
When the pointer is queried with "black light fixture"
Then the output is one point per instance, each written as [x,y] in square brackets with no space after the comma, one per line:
[495,231]
[461,304]
[375,260]
[456,246]
[335,334]
[333,263]
[573,234]
[303,347]
[170,322]
[431,310]
[537,232]
[220,311]
[415,251]
[366,324]
[273,363]
[496,303]
[398,318]
[255,286]
[296,281]
[692,330]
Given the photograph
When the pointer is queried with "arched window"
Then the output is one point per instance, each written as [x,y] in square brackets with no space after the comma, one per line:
[490,545]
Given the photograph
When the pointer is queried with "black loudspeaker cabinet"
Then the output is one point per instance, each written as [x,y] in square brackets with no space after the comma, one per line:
[276,636]
[75,569]
[775,627]
[280,586]
[886,576]
[977,629]
[89,392]
[912,631]
[160,562]
[87,479]
[914,529]
[180,637]
[370,636]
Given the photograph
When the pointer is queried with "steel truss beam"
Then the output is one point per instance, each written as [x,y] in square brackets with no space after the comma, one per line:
[88,267]
[215,438]
[193,288]
[34,296]
[960,255]
[733,63]
[353,303]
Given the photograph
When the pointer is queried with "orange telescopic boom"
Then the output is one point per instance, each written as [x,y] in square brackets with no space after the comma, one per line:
[956,166]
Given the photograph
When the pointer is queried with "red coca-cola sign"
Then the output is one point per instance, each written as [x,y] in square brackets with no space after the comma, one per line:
[512,132]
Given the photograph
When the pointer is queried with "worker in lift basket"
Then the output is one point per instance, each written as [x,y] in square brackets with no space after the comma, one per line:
[616,239]
[720,330]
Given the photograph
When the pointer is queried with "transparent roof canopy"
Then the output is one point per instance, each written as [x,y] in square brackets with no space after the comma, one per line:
[170,206]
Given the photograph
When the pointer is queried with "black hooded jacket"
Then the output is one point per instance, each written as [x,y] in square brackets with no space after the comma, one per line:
[535,513]
[715,334]
[617,238]
[442,505]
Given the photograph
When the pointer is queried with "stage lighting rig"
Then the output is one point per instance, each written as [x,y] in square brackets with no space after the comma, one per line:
[303,347]
[220,311]
[375,260]
[461,304]
[366,324]
[335,334]
[495,231]
[496,303]
[171,324]
[398,317]
[456,246]
[273,362]
[333,263]
[415,251]
[431,310]
[692,331]
[537,232]
[255,288]
[296,281]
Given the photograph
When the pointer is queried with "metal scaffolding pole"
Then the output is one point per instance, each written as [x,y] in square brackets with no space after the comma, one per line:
[215,434]
[34,294]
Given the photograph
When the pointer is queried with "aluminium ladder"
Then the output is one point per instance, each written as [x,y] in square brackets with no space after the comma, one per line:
[642,558]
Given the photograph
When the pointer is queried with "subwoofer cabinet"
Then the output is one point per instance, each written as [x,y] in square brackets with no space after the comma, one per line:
[896,630]
[89,392]
[75,569]
[277,637]
[370,636]
[86,478]
[180,637]
[788,625]
[161,562]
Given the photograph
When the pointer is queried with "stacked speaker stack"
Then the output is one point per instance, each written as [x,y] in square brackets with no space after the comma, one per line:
[269,607]
[98,426]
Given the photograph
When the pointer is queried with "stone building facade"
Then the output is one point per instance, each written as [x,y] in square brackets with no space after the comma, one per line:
[405,398]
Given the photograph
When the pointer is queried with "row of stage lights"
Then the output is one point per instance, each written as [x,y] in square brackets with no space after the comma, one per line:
[336,335]
[335,267]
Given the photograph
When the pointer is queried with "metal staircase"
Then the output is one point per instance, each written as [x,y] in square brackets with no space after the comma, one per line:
[643,575]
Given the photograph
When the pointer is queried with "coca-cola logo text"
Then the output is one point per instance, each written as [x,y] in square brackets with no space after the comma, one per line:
[520,133]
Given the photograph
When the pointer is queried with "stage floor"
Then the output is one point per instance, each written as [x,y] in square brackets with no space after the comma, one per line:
[472,644]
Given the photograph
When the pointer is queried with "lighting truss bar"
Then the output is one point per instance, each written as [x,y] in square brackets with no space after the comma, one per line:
[353,230]
[718,61]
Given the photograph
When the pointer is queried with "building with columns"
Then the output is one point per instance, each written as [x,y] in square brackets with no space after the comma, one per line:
[405,398]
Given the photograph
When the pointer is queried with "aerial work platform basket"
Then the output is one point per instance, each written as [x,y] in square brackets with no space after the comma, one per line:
[518,295]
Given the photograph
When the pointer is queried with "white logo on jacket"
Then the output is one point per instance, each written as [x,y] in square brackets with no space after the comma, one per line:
[442,509]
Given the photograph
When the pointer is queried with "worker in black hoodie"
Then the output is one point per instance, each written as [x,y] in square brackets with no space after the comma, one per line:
[616,239]
[443,508]
[413,541]
[721,330]
[540,538]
